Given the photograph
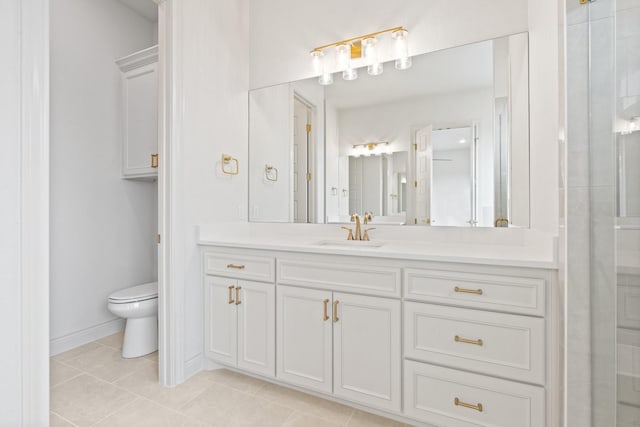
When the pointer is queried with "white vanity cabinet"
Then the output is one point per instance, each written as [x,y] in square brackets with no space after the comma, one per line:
[140,114]
[434,342]
[333,342]
[239,318]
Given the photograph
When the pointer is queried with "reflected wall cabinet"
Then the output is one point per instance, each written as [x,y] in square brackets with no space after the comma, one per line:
[140,114]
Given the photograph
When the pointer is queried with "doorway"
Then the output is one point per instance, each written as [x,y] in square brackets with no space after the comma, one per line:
[303,148]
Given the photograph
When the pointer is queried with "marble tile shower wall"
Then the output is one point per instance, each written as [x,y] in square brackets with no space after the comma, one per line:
[590,214]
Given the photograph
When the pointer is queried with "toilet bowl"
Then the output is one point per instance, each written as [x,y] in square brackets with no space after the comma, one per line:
[139,306]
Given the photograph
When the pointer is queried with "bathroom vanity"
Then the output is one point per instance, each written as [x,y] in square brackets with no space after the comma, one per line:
[424,329]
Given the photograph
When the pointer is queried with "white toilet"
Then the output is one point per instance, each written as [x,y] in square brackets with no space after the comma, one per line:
[139,305]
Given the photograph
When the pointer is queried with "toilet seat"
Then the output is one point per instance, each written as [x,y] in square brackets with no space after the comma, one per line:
[139,293]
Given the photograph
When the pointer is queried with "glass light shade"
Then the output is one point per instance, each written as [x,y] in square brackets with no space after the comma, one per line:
[320,67]
[343,58]
[349,74]
[402,49]
[374,67]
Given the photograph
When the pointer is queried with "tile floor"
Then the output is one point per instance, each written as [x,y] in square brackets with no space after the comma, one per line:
[93,385]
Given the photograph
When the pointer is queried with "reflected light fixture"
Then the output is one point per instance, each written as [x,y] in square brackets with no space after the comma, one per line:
[371,145]
[360,51]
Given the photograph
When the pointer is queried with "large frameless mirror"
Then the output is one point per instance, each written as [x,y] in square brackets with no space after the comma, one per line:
[444,143]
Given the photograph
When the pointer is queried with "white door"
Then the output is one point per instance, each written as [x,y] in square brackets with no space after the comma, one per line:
[367,345]
[423,175]
[256,327]
[301,166]
[221,319]
[140,117]
[303,333]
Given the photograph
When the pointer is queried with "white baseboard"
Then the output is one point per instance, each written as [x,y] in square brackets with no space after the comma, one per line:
[84,336]
[192,367]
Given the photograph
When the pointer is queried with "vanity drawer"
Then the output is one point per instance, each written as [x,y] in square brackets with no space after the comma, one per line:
[240,266]
[431,393]
[352,277]
[524,295]
[505,345]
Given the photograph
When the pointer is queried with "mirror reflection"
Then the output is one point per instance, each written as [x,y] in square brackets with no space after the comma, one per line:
[445,143]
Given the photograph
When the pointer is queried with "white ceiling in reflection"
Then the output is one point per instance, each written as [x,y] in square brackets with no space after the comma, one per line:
[458,69]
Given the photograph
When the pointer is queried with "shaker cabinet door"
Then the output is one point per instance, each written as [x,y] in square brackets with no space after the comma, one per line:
[256,327]
[304,337]
[220,319]
[140,116]
[367,344]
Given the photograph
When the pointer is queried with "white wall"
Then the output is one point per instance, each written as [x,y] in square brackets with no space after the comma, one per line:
[10,179]
[284,31]
[212,79]
[102,227]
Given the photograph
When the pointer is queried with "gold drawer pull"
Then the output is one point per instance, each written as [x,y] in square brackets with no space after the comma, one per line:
[238,267]
[335,310]
[238,302]
[326,315]
[231,294]
[468,341]
[477,407]
[468,291]
[154,160]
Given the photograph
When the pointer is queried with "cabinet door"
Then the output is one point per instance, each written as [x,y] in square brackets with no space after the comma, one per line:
[367,360]
[140,92]
[256,327]
[304,337]
[220,320]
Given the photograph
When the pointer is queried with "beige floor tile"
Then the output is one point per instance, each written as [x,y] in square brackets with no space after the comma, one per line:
[107,363]
[304,420]
[236,381]
[365,419]
[145,383]
[153,356]
[307,404]
[143,413]
[216,404]
[59,372]
[85,400]
[56,420]
[113,341]
[71,354]
[258,412]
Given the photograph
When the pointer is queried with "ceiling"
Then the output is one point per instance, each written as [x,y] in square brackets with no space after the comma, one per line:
[146,8]
[451,70]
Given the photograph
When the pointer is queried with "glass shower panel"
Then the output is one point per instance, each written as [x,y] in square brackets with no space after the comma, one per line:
[627,200]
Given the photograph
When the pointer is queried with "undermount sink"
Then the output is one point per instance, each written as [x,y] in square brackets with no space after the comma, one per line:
[350,243]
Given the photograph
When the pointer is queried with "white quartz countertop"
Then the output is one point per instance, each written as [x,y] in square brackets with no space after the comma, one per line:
[503,247]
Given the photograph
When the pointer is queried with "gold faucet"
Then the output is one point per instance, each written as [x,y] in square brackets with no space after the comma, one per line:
[368,216]
[355,217]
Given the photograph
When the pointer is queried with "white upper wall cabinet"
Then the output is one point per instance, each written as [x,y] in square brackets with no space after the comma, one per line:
[140,113]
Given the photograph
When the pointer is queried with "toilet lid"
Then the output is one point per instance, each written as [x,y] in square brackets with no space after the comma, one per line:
[136,293]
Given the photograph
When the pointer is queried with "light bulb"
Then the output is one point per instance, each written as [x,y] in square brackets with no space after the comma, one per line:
[402,49]
[374,67]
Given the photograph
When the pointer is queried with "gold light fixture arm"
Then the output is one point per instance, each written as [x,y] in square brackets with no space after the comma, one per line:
[359,38]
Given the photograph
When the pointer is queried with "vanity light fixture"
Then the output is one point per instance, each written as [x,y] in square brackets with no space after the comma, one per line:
[359,51]
[371,145]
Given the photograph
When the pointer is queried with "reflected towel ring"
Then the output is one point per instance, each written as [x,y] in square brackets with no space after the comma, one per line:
[226,160]
[271,173]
